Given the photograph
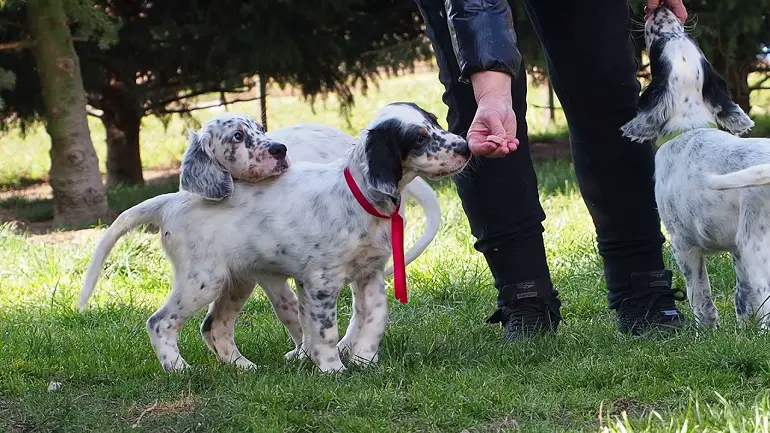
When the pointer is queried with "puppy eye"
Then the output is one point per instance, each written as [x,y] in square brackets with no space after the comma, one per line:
[422,139]
[237,137]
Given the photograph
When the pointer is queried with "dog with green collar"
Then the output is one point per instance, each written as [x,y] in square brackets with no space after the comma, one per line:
[708,179]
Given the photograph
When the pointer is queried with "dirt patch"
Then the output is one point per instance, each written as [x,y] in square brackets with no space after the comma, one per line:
[185,404]
[506,424]
[43,190]
[608,411]
[550,150]
[44,230]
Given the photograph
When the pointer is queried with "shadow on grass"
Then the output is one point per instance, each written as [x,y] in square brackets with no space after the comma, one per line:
[120,198]
[10,184]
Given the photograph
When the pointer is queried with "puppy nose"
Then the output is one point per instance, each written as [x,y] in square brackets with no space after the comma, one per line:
[462,148]
[276,149]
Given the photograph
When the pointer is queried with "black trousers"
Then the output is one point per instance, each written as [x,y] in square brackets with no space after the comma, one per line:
[589,51]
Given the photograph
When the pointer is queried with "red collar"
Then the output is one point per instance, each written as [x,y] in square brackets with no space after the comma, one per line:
[397,236]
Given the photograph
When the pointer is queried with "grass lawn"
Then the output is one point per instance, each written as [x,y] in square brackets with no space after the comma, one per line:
[442,369]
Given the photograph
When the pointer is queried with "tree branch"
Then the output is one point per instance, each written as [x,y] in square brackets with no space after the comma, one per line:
[214,103]
[16,45]
[760,83]
[161,104]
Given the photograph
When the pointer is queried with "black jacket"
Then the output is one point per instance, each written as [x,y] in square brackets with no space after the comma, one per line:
[483,36]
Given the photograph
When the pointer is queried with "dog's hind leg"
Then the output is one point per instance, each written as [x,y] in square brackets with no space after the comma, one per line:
[218,328]
[285,306]
[191,292]
[752,291]
[752,259]
[692,262]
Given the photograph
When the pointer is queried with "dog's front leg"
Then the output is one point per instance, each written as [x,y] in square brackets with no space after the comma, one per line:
[692,262]
[370,317]
[318,315]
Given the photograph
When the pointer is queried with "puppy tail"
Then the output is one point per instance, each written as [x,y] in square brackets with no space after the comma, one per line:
[143,213]
[428,200]
[753,176]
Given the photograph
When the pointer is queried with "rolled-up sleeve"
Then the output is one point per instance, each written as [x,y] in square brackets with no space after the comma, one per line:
[483,36]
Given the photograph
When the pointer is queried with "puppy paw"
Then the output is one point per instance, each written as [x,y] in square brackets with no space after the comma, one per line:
[297,353]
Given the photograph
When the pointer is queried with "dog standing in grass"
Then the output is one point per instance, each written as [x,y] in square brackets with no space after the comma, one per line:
[708,182]
[305,224]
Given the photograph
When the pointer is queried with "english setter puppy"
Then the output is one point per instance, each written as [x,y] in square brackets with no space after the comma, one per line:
[230,146]
[707,181]
[320,143]
[305,224]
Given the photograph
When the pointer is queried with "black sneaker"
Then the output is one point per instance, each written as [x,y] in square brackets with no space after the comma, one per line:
[649,304]
[527,309]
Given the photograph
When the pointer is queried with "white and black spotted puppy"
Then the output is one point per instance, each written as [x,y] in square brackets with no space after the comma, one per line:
[707,181]
[305,224]
[229,146]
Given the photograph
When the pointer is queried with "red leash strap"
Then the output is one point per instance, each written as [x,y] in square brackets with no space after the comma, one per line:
[397,237]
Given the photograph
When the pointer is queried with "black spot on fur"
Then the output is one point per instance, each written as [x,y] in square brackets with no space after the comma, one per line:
[322,294]
[152,322]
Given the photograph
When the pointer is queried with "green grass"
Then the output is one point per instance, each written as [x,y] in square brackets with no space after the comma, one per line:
[442,369]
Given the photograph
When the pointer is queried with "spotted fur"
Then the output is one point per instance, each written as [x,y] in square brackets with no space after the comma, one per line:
[305,225]
[707,181]
[320,143]
[229,146]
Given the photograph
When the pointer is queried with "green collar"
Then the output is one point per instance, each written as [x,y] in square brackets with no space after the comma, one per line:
[673,135]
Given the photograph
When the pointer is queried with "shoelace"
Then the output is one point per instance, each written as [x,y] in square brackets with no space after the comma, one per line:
[531,309]
[654,300]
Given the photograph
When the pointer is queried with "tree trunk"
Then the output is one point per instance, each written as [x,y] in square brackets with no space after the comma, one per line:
[79,197]
[263,99]
[122,121]
[551,102]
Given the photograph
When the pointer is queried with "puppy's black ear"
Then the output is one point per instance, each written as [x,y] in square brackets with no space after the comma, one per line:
[201,173]
[384,157]
[656,103]
[729,115]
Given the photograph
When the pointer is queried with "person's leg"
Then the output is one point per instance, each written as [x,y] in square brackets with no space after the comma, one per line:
[500,198]
[593,71]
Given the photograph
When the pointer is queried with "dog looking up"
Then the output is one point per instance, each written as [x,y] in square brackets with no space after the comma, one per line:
[305,224]
[706,179]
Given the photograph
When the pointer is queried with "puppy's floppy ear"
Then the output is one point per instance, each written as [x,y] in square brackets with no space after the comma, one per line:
[384,157]
[729,115]
[201,173]
[656,104]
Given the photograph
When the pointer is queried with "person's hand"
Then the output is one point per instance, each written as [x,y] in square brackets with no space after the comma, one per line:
[493,130]
[676,6]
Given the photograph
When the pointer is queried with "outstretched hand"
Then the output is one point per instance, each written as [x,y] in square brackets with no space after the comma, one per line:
[493,130]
